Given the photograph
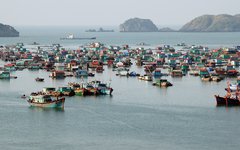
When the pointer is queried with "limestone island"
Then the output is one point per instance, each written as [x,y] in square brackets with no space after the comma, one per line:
[8,31]
[142,25]
[138,25]
[213,23]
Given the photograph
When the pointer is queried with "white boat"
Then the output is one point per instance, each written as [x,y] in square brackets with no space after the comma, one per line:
[71,37]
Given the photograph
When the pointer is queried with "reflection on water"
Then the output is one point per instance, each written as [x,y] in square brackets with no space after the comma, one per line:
[39,109]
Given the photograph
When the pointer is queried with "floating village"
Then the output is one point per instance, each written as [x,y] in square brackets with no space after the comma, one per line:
[211,65]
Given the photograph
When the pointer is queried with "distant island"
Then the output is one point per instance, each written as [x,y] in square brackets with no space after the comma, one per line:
[8,31]
[141,25]
[166,30]
[205,23]
[99,30]
[138,25]
[213,23]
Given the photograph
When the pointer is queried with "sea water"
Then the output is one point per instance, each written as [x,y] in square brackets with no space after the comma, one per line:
[137,116]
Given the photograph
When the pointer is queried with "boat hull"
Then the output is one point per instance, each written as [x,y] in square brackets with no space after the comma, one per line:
[226,101]
[53,104]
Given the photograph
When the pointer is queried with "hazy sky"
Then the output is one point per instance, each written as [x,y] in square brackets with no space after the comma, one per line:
[109,12]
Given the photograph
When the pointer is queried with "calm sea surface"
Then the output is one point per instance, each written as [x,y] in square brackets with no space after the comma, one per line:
[137,116]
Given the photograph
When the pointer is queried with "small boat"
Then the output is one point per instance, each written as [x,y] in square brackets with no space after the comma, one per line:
[66,91]
[133,74]
[176,73]
[145,78]
[39,79]
[81,73]
[99,69]
[122,72]
[157,72]
[206,78]
[46,101]
[162,83]
[102,88]
[23,96]
[90,74]
[215,77]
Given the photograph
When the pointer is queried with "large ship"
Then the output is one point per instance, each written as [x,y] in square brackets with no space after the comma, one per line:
[71,37]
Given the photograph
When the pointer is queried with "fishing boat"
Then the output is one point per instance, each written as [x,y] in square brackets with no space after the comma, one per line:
[122,71]
[39,79]
[230,99]
[71,37]
[162,83]
[99,69]
[45,101]
[176,73]
[66,91]
[133,74]
[227,101]
[157,72]
[78,89]
[103,88]
[233,87]
[215,77]
[145,77]
[6,75]
[81,73]
[206,78]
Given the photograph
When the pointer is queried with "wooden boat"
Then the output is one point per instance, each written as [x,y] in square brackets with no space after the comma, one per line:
[46,101]
[176,73]
[99,69]
[206,78]
[39,79]
[162,83]
[6,75]
[221,71]
[102,88]
[145,78]
[66,91]
[122,72]
[91,90]
[215,77]
[232,73]
[157,72]
[79,89]
[227,101]
[230,99]
[81,73]
[58,74]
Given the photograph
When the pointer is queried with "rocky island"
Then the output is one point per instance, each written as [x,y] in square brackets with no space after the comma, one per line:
[8,31]
[213,23]
[138,25]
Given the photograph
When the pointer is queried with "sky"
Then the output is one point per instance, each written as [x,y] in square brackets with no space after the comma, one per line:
[109,12]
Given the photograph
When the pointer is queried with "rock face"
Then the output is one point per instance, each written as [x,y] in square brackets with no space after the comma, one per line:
[138,25]
[8,31]
[212,23]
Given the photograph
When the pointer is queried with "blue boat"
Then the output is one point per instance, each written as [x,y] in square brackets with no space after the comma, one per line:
[81,73]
